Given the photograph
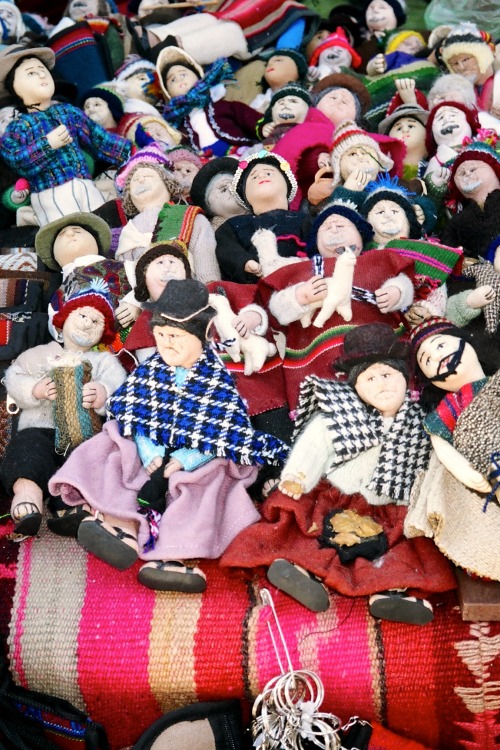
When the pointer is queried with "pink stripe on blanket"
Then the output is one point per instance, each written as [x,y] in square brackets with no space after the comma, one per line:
[114,633]
[19,611]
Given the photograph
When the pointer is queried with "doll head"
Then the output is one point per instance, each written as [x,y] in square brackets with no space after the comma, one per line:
[78,9]
[146,180]
[376,363]
[12,20]
[103,105]
[449,123]
[164,135]
[86,318]
[25,75]
[340,97]
[180,322]
[451,87]
[389,210]
[469,52]
[407,123]
[334,53]
[264,181]
[407,41]
[177,72]
[283,66]
[337,226]
[475,173]
[384,15]
[289,105]
[137,79]
[354,149]
[161,263]
[71,237]
[211,189]
[186,164]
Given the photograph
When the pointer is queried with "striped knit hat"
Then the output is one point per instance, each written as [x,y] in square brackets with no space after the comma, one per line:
[394,39]
[348,135]
[476,151]
[131,65]
[431,327]
[151,154]
[95,295]
[467,39]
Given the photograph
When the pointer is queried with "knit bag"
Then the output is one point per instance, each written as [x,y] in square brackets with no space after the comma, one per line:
[73,423]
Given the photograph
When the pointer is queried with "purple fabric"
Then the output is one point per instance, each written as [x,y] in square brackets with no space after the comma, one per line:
[206,508]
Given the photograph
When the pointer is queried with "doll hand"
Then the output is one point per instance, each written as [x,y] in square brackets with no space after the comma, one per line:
[324,160]
[419,213]
[45,389]
[173,465]
[292,486]
[268,129]
[416,314]
[251,266]
[311,291]
[406,90]
[19,196]
[155,464]
[313,74]
[379,64]
[59,137]
[94,395]
[469,476]
[357,180]
[387,298]
[480,297]
[440,176]
[126,314]
[247,322]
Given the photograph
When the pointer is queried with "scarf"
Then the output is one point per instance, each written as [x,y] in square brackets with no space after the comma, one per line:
[206,413]
[179,107]
[356,427]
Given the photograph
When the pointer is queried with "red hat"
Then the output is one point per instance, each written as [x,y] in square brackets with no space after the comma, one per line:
[338,39]
[95,295]
[469,112]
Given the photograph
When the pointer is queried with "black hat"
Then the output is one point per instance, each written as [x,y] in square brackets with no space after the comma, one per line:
[204,176]
[183,304]
[370,343]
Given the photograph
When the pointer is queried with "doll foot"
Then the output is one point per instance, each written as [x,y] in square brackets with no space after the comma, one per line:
[66,519]
[27,518]
[397,606]
[299,584]
[108,543]
[172,575]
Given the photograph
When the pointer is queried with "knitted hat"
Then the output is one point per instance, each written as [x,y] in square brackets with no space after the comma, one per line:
[404,110]
[467,39]
[338,39]
[289,89]
[394,39]
[348,135]
[128,125]
[95,295]
[387,189]
[370,343]
[265,157]
[399,8]
[46,236]
[177,248]
[110,95]
[471,116]
[183,304]
[477,151]
[204,176]
[184,153]
[348,210]
[131,65]
[431,327]
[151,154]
[170,56]
[299,59]
[344,81]
[12,53]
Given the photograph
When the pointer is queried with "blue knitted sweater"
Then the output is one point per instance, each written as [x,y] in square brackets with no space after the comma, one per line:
[26,149]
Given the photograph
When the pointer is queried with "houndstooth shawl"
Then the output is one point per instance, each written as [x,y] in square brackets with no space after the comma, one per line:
[356,427]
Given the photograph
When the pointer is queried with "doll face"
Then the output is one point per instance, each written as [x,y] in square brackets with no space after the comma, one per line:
[440,354]
[139,86]
[73,242]
[335,234]
[338,105]
[364,158]
[159,132]
[162,270]
[383,387]
[379,16]
[147,188]
[33,82]
[280,69]
[472,175]
[220,200]
[334,58]
[411,45]
[466,66]
[185,172]
[80,8]
[10,19]
[450,126]
[177,347]
[83,328]
[264,181]
[98,111]
[410,131]
[290,109]
[180,80]
[388,221]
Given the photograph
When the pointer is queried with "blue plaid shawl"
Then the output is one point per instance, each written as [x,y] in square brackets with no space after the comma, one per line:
[205,413]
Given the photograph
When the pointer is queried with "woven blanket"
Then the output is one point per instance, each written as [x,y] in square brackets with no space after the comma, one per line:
[82,631]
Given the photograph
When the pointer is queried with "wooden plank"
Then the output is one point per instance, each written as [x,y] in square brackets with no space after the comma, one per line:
[479,599]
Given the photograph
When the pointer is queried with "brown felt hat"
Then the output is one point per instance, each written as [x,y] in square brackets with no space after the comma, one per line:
[12,53]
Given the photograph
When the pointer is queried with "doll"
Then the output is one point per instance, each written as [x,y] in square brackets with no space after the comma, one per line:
[265,184]
[333,55]
[186,164]
[85,319]
[341,96]
[211,447]
[401,48]
[104,105]
[137,82]
[45,143]
[342,494]
[407,122]
[211,191]
[452,87]
[288,107]
[142,129]
[282,66]
[195,106]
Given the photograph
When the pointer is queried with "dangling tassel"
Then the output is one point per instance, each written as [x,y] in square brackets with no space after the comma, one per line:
[152,502]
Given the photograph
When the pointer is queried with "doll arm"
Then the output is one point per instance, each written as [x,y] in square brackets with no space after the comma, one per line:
[251,319]
[21,151]
[458,311]
[285,307]
[202,251]
[109,373]
[104,146]
[309,459]
[190,458]
[388,300]
[20,383]
[232,256]
[377,65]
[459,466]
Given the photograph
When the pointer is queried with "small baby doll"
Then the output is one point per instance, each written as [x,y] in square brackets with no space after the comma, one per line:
[142,129]
[186,164]
[189,417]
[401,48]
[137,82]
[45,144]
[282,66]
[332,56]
